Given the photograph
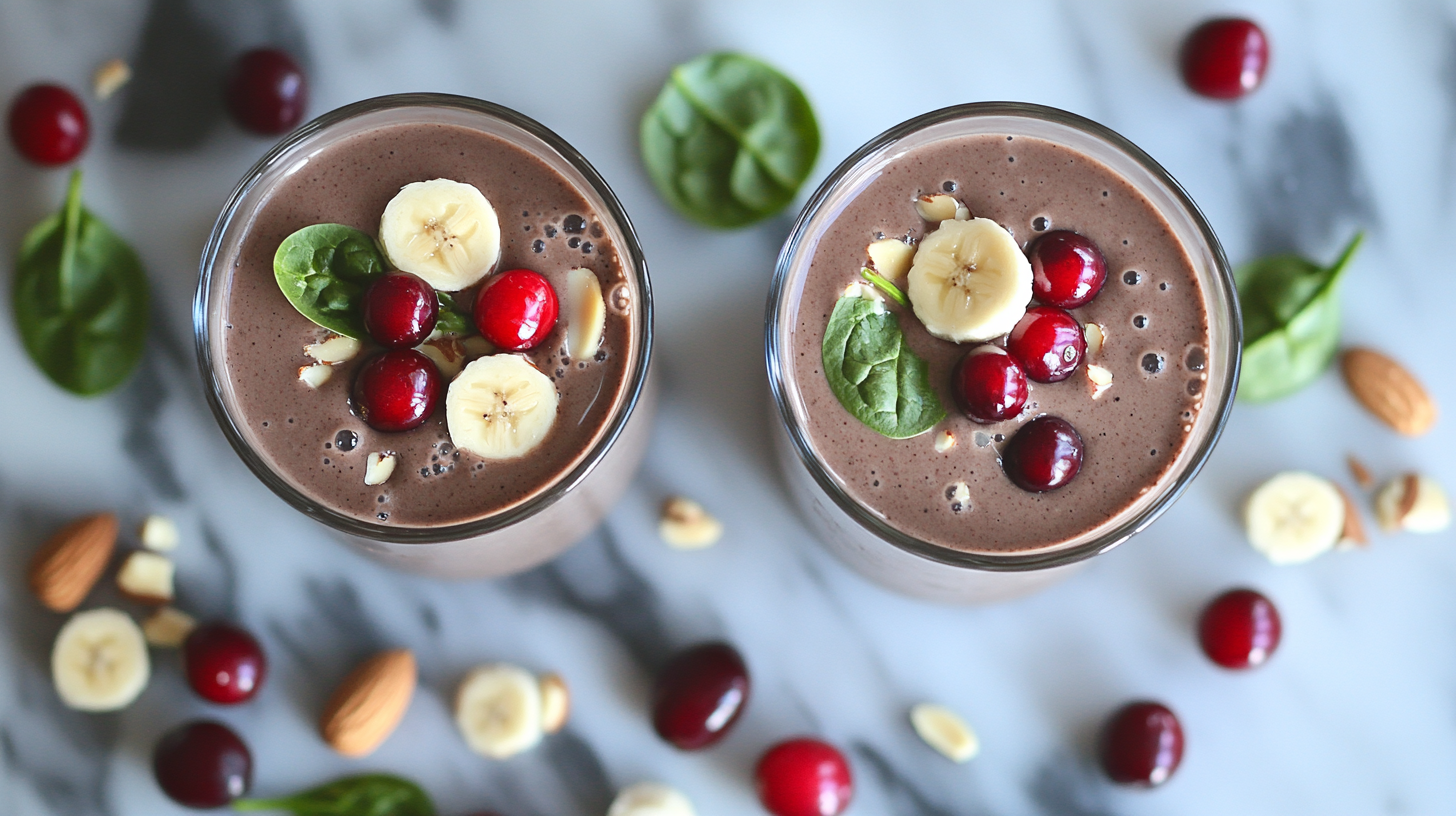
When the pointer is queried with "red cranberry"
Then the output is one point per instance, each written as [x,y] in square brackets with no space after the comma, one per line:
[804,777]
[699,695]
[224,663]
[48,125]
[1045,454]
[1142,744]
[1048,342]
[989,385]
[1240,629]
[397,391]
[202,764]
[400,310]
[516,310]
[266,92]
[1225,58]
[1067,269]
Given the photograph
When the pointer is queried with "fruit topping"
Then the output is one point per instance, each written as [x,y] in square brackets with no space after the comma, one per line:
[1142,744]
[1048,343]
[498,710]
[1067,269]
[587,314]
[48,125]
[1294,516]
[202,764]
[1045,454]
[1225,58]
[266,92]
[699,695]
[969,282]
[397,390]
[804,777]
[99,661]
[516,310]
[1239,629]
[500,407]
[400,310]
[650,799]
[945,731]
[989,385]
[224,663]
[444,231]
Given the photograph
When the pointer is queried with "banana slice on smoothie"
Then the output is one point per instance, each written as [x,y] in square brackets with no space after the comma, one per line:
[444,231]
[500,407]
[969,282]
[498,710]
[99,661]
[1294,517]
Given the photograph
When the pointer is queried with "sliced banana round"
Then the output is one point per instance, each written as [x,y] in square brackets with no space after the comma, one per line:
[498,710]
[500,407]
[586,315]
[1294,517]
[444,231]
[650,799]
[99,661]
[969,282]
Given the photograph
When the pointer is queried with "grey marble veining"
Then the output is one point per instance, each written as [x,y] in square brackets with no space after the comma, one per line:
[1356,128]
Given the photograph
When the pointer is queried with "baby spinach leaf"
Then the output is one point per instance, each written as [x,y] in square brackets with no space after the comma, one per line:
[80,299]
[729,140]
[451,320]
[1291,311]
[874,373]
[323,270]
[365,795]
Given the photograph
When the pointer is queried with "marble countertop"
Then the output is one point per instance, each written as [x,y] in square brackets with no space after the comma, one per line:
[1355,128]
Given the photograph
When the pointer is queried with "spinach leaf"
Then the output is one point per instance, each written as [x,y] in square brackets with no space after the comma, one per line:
[451,320]
[1291,311]
[365,795]
[729,140]
[874,373]
[323,270]
[80,299]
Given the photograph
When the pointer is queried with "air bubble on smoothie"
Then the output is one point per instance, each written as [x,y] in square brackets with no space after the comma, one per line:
[381,498]
[949,186]
[538,246]
[574,242]
[1041,223]
[586,247]
[999,437]
[1140,321]
[1132,277]
[550,231]
[346,440]
[326,460]
[528,228]
[1163,286]
[601,356]
[1195,387]
[383,516]
[573,224]
[1195,359]
[981,438]
[1153,363]
[621,299]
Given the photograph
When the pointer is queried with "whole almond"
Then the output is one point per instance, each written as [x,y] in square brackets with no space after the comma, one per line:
[1389,391]
[65,568]
[369,703]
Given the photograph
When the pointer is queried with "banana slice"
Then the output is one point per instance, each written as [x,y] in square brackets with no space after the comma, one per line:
[1294,517]
[498,710]
[650,799]
[588,313]
[444,231]
[500,407]
[99,661]
[970,281]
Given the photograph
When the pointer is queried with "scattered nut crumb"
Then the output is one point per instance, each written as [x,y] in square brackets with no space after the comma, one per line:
[379,467]
[1413,503]
[890,257]
[146,577]
[1359,472]
[314,376]
[168,627]
[687,526]
[1096,336]
[109,78]
[1101,379]
[159,533]
[944,441]
[447,353]
[962,213]
[945,731]
[334,350]
[937,208]
[1353,535]
[477,346]
[555,703]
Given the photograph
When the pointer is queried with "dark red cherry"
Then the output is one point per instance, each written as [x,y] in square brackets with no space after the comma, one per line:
[516,310]
[1067,269]
[202,764]
[699,695]
[48,125]
[266,92]
[1239,629]
[397,391]
[804,777]
[1045,454]
[989,385]
[400,310]
[1142,744]
[224,663]
[1048,342]
[1225,58]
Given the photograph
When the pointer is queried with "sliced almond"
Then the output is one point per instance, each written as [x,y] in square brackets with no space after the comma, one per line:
[945,731]
[1389,391]
[378,467]
[1101,379]
[158,533]
[1096,336]
[890,257]
[314,376]
[146,577]
[944,441]
[962,213]
[334,350]
[1354,533]
[65,568]
[1359,472]
[937,208]
[588,315]
[1412,503]
[555,703]
[477,346]
[367,705]
[109,78]
[446,352]
[168,627]
[687,526]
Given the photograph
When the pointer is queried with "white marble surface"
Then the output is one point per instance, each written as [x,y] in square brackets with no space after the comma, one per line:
[1356,714]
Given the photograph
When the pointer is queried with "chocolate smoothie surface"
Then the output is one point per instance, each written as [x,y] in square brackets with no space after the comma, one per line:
[310,437]
[1151,307]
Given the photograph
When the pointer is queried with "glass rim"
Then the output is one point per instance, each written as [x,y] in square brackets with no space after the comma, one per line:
[990,561]
[634,262]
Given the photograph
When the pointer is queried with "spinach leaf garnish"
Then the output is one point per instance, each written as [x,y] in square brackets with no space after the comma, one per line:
[874,373]
[365,795]
[729,140]
[1291,311]
[451,320]
[323,270]
[80,299]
